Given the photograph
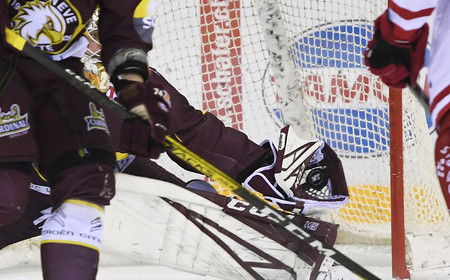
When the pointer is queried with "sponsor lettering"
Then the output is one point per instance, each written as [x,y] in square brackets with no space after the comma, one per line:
[221,61]
[63,232]
[12,123]
[338,88]
[97,119]
[40,189]
[244,206]
[311,225]
[148,22]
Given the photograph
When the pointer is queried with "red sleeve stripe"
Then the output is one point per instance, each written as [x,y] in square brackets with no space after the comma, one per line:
[407,24]
[408,14]
[440,104]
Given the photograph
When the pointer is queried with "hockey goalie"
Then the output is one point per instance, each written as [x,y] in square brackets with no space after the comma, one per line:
[158,218]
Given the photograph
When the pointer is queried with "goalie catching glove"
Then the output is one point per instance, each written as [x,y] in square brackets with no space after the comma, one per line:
[301,177]
[396,55]
[152,104]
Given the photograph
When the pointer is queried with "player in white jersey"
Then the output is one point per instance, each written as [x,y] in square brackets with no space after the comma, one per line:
[397,53]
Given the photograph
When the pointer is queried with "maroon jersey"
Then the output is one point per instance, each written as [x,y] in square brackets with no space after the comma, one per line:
[56,26]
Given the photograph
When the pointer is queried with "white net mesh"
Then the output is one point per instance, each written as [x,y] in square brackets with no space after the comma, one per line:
[215,53]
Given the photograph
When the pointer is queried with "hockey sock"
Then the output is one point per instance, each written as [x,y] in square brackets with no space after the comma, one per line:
[70,242]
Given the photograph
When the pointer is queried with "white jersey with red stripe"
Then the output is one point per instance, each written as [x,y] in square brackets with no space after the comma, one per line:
[410,15]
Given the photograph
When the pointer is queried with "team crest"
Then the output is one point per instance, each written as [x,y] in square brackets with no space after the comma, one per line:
[12,123]
[48,25]
[97,119]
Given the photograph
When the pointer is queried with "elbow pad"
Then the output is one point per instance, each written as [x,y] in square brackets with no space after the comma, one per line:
[128,60]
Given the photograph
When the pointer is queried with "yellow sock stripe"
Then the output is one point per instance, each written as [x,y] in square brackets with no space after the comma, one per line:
[71,243]
[83,202]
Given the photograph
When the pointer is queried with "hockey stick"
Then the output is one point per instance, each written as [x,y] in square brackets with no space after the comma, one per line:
[189,157]
[421,96]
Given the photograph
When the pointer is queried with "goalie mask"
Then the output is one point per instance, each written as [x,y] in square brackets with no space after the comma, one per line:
[310,172]
[94,70]
[92,34]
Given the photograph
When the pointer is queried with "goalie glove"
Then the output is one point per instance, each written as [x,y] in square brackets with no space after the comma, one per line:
[300,176]
[152,103]
[310,172]
[262,180]
[395,60]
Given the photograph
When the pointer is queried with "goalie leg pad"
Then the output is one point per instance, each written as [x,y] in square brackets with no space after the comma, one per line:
[71,239]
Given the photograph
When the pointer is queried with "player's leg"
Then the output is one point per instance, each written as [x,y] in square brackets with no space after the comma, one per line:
[14,189]
[442,156]
[17,146]
[439,87]
[71,236]
[77,159]
[30,223]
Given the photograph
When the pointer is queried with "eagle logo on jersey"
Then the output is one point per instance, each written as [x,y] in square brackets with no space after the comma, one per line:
[47,25]
[12,123]
[97,119]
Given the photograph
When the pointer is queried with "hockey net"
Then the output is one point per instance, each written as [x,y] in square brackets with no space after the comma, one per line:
[303,65]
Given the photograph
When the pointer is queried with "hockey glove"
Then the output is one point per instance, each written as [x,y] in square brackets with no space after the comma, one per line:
[310,172]
[152,103]
[395,61]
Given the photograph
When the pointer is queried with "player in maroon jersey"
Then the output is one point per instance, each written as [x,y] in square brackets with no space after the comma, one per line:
[43,119]
[397,53]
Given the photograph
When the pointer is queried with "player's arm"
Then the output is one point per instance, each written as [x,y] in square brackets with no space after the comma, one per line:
[397,51]
[125,33]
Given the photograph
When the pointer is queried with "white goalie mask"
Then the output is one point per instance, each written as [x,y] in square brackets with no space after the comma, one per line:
[94,48]
[94,70]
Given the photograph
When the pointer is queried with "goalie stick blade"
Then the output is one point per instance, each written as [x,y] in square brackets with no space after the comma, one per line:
[188,157]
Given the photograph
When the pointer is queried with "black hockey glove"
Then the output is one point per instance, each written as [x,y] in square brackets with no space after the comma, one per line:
[396,62]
